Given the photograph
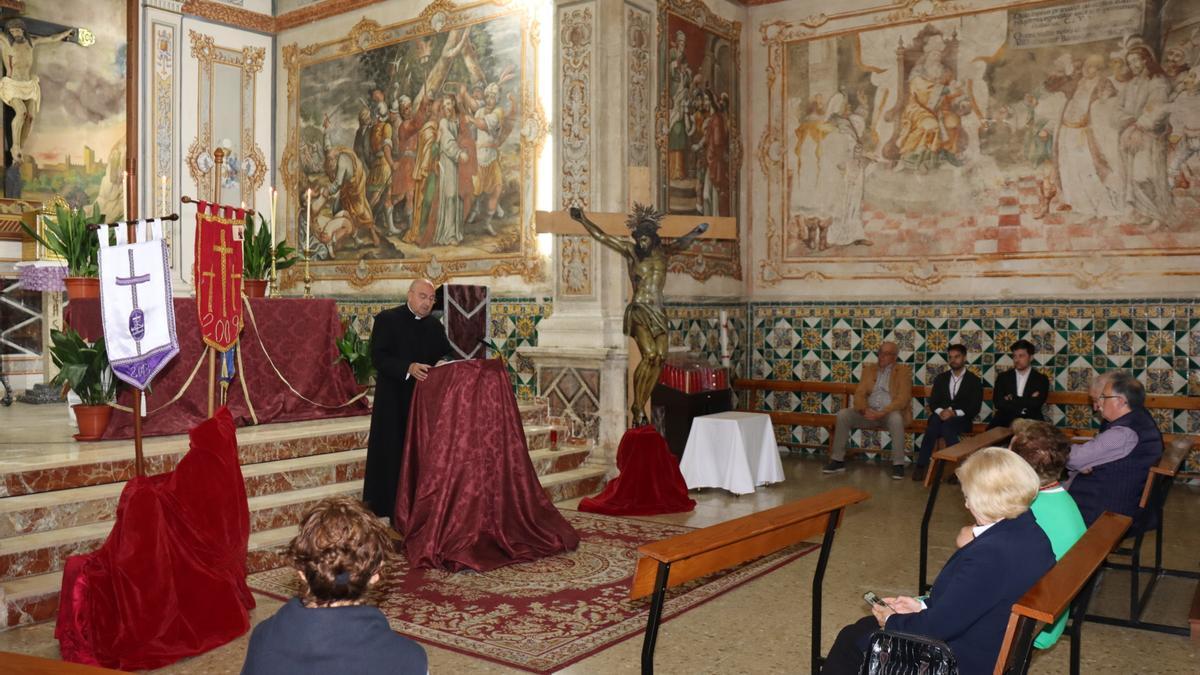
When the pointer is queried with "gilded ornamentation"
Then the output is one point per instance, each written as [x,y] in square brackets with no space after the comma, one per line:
[250,169]
[576,28]
[231,16]
[638,43]
[508,250]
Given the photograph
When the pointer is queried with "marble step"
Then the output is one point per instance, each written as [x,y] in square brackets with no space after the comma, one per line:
[35,598]
[45,511]
[62,466]
[75,465]
[41,552]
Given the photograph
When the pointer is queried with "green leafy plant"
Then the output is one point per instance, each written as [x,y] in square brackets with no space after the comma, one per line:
[357,352]
[257,252]
[67,236]
[82,367]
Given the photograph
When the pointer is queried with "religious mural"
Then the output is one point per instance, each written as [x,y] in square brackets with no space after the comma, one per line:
[417,142]
[1045,128]
[698,109]
[64,123]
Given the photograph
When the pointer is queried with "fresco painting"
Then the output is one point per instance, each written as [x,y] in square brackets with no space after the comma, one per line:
[411,147]
[1002,132]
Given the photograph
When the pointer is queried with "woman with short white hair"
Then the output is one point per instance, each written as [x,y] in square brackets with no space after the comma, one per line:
[970,601]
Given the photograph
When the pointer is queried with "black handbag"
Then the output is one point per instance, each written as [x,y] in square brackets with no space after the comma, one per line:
[892,653]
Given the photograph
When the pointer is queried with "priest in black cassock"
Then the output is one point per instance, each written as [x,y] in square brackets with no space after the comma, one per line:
[405,343]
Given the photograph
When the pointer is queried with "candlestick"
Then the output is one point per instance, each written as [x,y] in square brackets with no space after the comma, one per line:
[308,220]
[274,273]
[724,334]
[307,276]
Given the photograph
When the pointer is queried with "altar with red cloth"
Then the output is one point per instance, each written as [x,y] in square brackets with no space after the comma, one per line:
[298,335]
[469,497]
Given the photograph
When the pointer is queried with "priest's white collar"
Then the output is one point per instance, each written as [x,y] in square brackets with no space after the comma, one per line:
[416,316]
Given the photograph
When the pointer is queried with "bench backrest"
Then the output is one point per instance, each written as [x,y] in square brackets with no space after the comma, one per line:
[1158,481]
[695,554]
[923,391]
[1055,591]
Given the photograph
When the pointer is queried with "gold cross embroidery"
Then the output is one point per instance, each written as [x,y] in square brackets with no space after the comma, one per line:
[209,276]
[224,251]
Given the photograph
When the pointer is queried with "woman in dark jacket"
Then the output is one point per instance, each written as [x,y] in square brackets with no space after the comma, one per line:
[971,598]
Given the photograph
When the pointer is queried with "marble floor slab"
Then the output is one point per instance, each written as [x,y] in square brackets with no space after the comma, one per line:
[764,626]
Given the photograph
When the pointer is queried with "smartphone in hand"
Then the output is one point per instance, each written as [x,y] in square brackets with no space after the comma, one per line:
[874,599]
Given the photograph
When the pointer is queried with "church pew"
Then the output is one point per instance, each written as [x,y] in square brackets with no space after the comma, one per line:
[676,560]
[1068,584]
[36,665]
[844,390]
[1154,497]
[944,457]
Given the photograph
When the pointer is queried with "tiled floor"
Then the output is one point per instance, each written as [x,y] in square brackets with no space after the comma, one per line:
[764,626]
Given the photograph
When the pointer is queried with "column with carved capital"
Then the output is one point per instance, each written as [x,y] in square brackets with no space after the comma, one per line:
[582,355]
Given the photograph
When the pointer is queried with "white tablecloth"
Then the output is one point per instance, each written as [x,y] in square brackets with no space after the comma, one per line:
[731,450]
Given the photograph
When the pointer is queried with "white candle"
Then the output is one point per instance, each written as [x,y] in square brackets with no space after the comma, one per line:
[125,193]
[274,201]
[308,221]
[162,207]
[242,205]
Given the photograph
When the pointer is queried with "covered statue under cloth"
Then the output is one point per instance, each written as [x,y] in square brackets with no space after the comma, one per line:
[469,497]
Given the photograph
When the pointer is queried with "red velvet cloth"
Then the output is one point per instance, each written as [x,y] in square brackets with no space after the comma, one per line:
[170,580]
[300,335]
[650,481]
[469,496]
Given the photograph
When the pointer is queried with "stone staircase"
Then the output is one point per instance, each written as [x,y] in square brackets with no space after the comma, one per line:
[64,503]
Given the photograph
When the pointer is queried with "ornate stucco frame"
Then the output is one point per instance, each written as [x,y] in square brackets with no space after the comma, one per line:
[1087,269]
[710,257]
[533,127]
[249,60]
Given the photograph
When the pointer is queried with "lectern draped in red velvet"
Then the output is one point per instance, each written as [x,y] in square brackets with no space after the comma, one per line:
[650,481]
[469,496]
[170,580]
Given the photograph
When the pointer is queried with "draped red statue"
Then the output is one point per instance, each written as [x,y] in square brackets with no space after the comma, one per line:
[170,580]
[469,497]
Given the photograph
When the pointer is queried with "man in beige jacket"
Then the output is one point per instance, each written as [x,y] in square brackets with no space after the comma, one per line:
[882,400]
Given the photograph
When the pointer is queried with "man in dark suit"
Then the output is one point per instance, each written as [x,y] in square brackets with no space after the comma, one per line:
[1020,392]
[405,343]
[955,401]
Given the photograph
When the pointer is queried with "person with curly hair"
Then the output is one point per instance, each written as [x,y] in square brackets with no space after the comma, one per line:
[339,552]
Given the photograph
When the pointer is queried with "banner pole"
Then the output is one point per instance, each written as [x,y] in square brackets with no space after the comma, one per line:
[139,466]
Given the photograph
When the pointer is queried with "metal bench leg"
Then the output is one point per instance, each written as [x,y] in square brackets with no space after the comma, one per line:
[652,623]
[938,468]
[1078,615]
[818,579]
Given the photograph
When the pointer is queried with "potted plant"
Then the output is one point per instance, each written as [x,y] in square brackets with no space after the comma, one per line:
[67,236]
[257,254]
[357,352]
[84,369]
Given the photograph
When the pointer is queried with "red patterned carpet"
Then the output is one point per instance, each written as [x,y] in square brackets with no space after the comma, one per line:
[544,615]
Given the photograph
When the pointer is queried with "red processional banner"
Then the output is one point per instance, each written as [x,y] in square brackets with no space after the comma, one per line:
[218,273]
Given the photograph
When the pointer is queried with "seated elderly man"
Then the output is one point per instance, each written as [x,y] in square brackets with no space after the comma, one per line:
[1108,472]
[882,400]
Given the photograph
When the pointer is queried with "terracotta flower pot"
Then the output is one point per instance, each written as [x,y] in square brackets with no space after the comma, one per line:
[255,288]
[92,419]
[79,288]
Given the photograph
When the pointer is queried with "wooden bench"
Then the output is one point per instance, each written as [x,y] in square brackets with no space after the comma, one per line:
[844,390]
[679,559]
[1068,584]
[941,459]
[1154,498]
[36,665]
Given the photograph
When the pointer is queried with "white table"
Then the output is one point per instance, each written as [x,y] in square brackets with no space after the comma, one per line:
[731,450]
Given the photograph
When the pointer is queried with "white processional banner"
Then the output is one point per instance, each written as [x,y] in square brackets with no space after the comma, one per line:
[136,305]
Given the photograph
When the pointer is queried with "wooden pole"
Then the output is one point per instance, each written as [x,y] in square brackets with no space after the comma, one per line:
[219,157]
[212,374]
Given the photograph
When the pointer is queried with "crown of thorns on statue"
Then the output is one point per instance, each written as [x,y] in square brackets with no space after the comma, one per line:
[645,219]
